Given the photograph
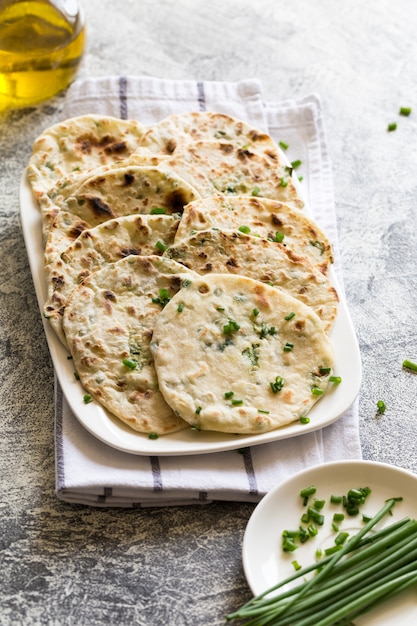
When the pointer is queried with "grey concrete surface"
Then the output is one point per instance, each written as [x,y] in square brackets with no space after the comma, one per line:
[72,565]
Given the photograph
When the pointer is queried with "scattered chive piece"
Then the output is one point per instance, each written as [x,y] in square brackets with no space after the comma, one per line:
[289,316]
[284,182]
[255,312]
[229,394]
[335,499]
[338,517]
[332,550]
[289,545]
[76,375]
[316,391]
[305,518]
[312,530]
[381,406]
[283,145]
[237,402]
[244,229]
[153,436]
[335,527]
[279,237]
[164,297]
[296,163]
[158,211]
[392,126]
[198,410]
[161,246]
[277,384]
[323,371]
[406,111]
[263,411]
[87,398]
[130,363]
[366,518]
[308,491]
[220,308]
[335,379]
[296,565]
[341,538]
[410,365]
[288,347]
[319,504]
[231,327]
[304,419]
[180,307]
[300,178]
[256,191]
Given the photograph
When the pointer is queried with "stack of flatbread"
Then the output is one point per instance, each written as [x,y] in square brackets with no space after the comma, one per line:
[184,275]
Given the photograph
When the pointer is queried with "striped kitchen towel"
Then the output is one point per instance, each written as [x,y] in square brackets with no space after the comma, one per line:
[91,472]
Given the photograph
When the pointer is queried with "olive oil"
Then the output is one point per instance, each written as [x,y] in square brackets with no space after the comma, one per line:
[41,46]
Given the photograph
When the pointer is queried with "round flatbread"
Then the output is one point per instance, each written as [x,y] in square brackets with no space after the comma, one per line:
[108,323]
[80,143]
[234,376]
[96,247]
[262,217]
[178,129]
[236,171]
[220,251]
[119,191]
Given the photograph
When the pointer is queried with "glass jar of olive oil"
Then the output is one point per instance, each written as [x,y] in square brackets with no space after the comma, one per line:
[41,46]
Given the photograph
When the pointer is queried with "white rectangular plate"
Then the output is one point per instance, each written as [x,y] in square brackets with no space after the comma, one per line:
[113,432]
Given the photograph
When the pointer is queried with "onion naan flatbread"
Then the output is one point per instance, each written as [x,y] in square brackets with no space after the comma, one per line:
[233,376]
[109,323]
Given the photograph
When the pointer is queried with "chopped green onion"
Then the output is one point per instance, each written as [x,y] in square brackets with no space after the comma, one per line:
[341,538]
[296,163]
[229,394]
[406,111]
[76,375]
[316,391]
[231,327]
[289,316]
[255,312]
[164,297]
[284,182]
[87,398]
[308,491]
[296,565]
[410,365]
[338,517]
[392,126]
[277,384]
[335,500]
[256,191]
[180,307]
[158,210]
[130,363]
[279,237]
[237,402]
[335,379]
[304,419]
[263,411]
[198,410]
[244,229]
[288,347]
[381,406]
[153,436]
[283,145]
[161,246]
